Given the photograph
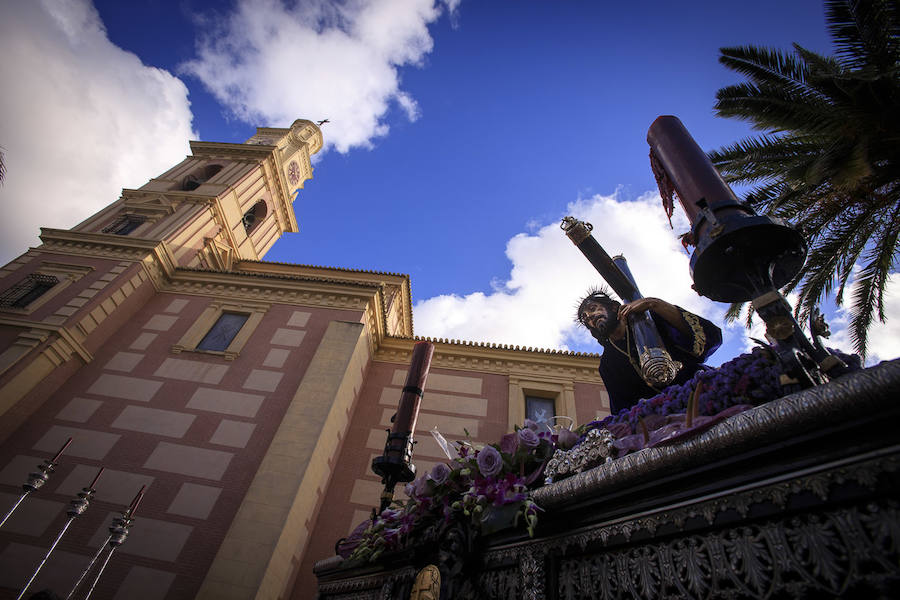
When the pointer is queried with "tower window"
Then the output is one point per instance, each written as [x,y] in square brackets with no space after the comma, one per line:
[223,332]
[27,291]
[124,224]
[191,183]
[255,216]
[199,177]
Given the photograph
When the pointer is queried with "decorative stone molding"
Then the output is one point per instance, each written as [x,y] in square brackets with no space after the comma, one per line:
[152,205]
[548,366]
[390,281]
[64,344]
[228,151]
[155,256]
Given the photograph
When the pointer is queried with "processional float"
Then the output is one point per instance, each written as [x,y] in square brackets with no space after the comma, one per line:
[738,256]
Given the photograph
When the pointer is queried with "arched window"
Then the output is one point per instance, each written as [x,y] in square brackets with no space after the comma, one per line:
[190,183]
[199,177]
[255,216]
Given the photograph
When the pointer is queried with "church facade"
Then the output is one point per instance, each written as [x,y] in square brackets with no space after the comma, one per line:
[246,397]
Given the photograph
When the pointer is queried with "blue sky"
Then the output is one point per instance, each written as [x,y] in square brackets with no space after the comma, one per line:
[461,132]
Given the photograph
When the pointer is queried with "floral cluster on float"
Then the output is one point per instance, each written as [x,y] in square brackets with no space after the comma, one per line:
[487,488]
[710,396]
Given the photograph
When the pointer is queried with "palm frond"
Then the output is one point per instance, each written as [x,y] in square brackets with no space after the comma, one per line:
[765,65]
[866,33]
[828,159]
[734,311]
[869,293]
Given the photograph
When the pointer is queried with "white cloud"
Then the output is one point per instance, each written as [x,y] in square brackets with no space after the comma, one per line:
[883,338]
[80,118]
[272,63]
[535,306]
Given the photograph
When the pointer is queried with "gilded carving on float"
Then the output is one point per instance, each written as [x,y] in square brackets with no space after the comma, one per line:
[427,585]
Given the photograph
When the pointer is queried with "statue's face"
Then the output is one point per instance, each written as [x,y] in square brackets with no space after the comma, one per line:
[599,317]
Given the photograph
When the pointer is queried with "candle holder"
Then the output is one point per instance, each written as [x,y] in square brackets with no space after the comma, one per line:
[738,255]
[118,532]
[395,464]
[77,507]
[37,479]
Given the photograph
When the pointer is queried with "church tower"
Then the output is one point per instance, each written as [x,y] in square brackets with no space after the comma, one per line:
[224,202]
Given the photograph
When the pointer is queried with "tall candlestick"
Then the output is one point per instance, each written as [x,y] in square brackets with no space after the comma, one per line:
[395,464]
[118,531]
[76,508]
[37,479]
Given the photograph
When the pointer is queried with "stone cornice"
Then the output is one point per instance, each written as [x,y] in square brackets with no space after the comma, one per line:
[155,254]
[72,343]
[283,267]
[504,360]
[279,131]
[231,151]
[364,296]
[168,195]
[337,275]
[270,282]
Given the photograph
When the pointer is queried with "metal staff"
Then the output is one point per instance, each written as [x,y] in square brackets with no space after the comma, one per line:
[118,532]
[127,515]
[395,464]
[656,365]
[76,508]
[37,479]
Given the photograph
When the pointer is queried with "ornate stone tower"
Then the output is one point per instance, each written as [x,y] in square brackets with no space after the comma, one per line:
[224,202]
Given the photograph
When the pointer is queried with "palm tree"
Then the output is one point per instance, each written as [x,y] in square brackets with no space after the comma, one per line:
[829,158]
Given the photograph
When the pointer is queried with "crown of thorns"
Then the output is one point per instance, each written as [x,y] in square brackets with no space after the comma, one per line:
[600,295]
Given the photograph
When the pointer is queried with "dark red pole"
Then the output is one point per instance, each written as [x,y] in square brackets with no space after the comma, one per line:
[675,155]
[395,464]
[411,397]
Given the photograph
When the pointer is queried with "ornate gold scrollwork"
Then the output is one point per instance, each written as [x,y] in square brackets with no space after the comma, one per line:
[427,585]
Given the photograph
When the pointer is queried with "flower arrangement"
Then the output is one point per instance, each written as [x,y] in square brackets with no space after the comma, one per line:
[485,488]
[488,488]
[710,396]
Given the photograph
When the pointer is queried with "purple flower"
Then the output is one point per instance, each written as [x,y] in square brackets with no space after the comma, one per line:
[509,443]
[440,473]
[529,424]
[421,486]
[529,438]
[567,439]
[489,461]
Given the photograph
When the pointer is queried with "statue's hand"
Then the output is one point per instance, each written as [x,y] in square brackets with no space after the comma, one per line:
[639,306]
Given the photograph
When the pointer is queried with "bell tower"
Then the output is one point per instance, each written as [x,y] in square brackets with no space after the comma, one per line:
[223,202]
